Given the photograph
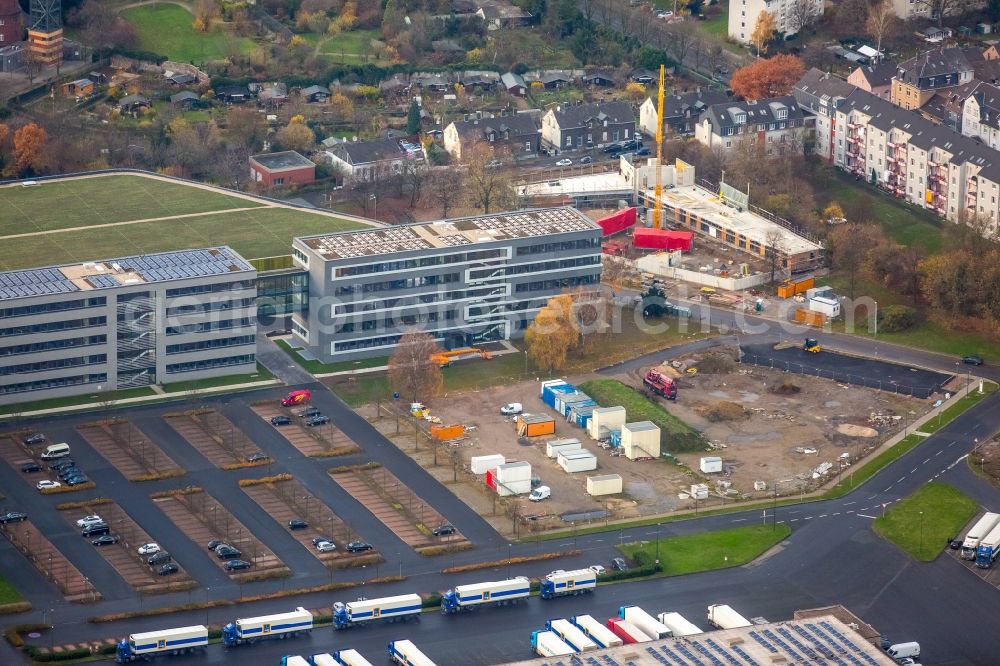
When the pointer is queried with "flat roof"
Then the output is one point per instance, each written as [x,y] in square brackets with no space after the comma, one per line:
[823,639]
[288,159]
[120,272]
[639,426]
[453,232]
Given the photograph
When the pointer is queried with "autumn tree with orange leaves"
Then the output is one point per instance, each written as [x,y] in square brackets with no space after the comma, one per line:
[767,78]
[29,148]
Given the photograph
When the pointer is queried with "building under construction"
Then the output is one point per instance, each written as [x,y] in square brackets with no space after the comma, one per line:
[45,32]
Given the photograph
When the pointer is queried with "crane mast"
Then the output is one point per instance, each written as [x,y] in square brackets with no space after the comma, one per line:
[658,192]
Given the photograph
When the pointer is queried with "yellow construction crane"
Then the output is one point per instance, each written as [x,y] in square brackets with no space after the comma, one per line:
[658,192]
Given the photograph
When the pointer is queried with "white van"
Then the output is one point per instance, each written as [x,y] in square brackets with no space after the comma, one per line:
[903,650]
[53,451]
[540,493]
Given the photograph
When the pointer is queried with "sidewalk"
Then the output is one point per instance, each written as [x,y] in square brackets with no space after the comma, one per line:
[508,348]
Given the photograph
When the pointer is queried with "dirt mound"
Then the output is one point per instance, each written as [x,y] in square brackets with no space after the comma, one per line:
[716,364]
[723,411]
[785,389]
[852,430]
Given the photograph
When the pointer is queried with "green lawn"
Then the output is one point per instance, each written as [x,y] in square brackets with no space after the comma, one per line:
[83,202]
[922,523]
[167,29]
[676,436]
[8,595]
[349,47]
[710,550]
[320,368]
[262,374]
[71,401]
[265,232]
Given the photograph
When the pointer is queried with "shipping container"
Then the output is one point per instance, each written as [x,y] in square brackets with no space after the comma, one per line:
[790,288]
[809,317]
[491,478]
[597,632]
[480,464]
[662,239]
[613,224]
[604,484]
[580,398]
[711,464]
[535,425]
[641,440]
[828,306]
[577,461]
[447,432]
[678,625]
[513,488]
[554,446]
[513,471]
[605,417]
[627,631]
[549,388]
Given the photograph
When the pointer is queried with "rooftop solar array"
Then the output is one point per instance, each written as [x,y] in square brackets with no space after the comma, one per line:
[111,273]
[449,233]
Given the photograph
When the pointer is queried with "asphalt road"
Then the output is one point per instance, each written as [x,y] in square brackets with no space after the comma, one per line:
[831,557]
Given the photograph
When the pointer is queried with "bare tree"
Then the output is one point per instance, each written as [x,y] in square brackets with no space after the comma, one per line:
[774,241]
[412,370]
[414,176]
[804,13]
[679,38]
[488,186]
[881,18]
[945,8]
[446,187]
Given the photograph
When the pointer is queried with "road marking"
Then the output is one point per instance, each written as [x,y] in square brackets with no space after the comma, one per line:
[793,512]
[851,511]
[808,518]
[738,520]
[873,497]
[599,540]
[864,516]
[926,461]
[913,471]
[952,444]
[939,453]
[653,533]
[900,479]
[849,503]
[837,514]
[823,516]
[793,520]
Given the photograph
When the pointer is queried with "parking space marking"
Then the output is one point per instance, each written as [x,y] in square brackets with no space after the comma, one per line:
[865,516]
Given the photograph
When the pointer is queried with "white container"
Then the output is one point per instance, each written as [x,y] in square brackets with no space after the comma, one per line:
[555,446]
[828,306]
[572,635]
[605,417]
[677,624]
[711,464]
[699,491]
[604,484]
[167,640]
[343,657]
[597,632]
[295,660]
[648,624]
[514,471]
[407,654]
[577,461]
[548,644]
[641,440]
[506,489]
[492,592]
[724,617]
[480,464]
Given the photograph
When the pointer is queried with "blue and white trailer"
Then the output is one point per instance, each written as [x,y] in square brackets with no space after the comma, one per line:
[565,583]
[295,660]
[345,658]
[365,611]
[596,631]
[407,654]
[181,640]
[978,532]
[498,593]
[280,625]
[546,644]
[988,549]
[571,635]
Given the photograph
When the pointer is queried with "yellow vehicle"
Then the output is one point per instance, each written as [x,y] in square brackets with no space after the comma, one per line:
[812,345]
[419,410]
[444,359]
[707,291]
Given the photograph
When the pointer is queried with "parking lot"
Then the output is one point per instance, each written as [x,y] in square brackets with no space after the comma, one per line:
[18,455]
[54,566]
[316,442]
[215,437]
[130,451]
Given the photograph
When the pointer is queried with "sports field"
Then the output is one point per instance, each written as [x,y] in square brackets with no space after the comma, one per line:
[99,218]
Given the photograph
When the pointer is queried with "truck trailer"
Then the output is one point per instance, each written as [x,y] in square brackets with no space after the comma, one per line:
[678,625]
[500,592]
[565,583]
[280,625]
[148,644]
[346,658]
[369,610]
[596,631]
[982,527]
[407,654]
[724,617]
[571,635]
[628,632]
[295,660]
[647,624]
[547,644]
[988,549]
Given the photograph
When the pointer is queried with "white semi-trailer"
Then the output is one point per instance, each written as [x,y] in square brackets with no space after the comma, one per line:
[479,594]
[407,654]
[564,583]
[596,631]
[982,527]
[648,624]
[547,644]
[724,617]
[678,625]
[571,635]
[166,641]
[369,610]
[347,658]
[279,625]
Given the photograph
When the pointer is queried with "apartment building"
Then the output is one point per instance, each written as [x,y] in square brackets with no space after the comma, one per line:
[743,16]
[907,155]
[121,323]
[819,94]
[517,135]
[775,123]
[464,280]
[919,78]
[575,126]
[915,9]
[981,115]
[680,112]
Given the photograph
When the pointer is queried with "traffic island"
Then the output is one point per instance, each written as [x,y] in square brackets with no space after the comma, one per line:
[709,551]
[923,523]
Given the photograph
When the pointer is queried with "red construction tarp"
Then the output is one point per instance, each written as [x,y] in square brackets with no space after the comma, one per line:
[662,239]
[621,220]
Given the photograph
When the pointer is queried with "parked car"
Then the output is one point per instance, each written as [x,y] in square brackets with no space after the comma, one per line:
[62,464]
[586,159]
[972,360]
[68,472]
[443,530]
[87,520]
[257,457]
[326,547]
[158,558]
[307,412]
[297,524]
[96,529]
[34,439]
[13,517]
[46,484]
[31,467]
[565,162]
[236,565]
[227,552]
[149,548]
[317,421]
[106,540]
[597,569]
[168,569]
[642,152]
[358,546]
[511,408]
[619,564]
[613,147]
[215,543]
[280,420]
[316,540]
[76,479]
[955,544]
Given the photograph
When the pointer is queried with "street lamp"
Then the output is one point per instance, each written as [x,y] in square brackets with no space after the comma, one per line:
[508,560]
[372,197]
[921,531]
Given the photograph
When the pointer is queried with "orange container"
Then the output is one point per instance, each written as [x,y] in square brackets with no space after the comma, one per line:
[535,425]
[447,432]
[810,318]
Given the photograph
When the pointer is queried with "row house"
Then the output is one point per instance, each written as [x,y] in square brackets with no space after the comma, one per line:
[680,112]
[981,115]
[775,123]
[519,134]
[570,127]
[917,79]
[907,155]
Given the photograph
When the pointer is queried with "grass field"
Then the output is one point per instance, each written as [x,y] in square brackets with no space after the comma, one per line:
[167,30]
[262,232]
[8,595]
[88,201]
[676,436]
[922,523]
[710,550]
